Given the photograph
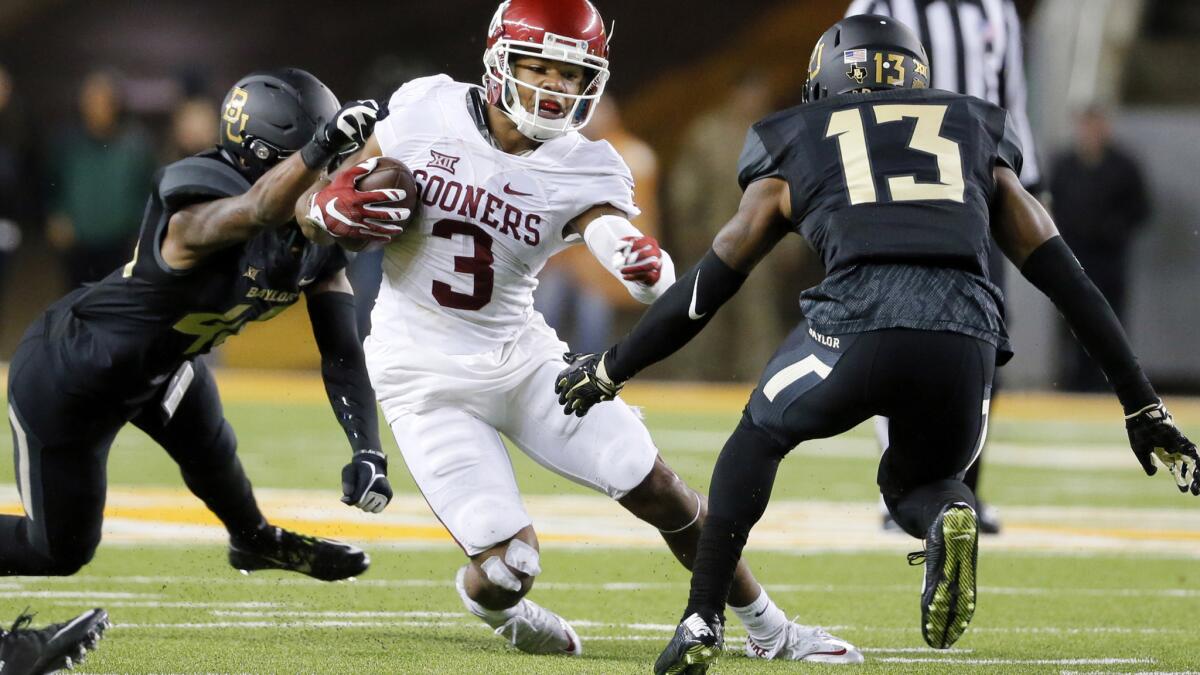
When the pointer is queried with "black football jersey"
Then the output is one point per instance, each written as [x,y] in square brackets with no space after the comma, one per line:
[892,189]
[127,333]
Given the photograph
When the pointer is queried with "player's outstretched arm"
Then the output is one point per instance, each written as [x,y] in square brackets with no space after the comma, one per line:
[344,370]
[199,230]
[688,305]
[1028,237]
[634,258]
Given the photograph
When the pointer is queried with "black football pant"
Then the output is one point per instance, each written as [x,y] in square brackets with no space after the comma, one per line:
[933,386]
[61,445]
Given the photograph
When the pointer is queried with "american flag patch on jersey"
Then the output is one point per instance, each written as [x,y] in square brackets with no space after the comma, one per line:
[854,56]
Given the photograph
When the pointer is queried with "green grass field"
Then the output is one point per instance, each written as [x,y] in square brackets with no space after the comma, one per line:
[1097,570]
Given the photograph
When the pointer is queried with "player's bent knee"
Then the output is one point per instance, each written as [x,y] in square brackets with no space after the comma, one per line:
[64,563]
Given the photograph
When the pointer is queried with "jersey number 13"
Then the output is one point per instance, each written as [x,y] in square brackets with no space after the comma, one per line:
[847,127]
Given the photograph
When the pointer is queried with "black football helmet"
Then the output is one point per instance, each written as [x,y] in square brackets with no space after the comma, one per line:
[866,52]
[270,114]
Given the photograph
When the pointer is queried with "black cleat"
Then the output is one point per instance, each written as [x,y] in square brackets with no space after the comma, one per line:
[989,518]
[26,651]
[277,548]
[696,645]
[950,555]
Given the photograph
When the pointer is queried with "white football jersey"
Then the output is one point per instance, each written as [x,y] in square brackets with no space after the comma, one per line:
[460,279]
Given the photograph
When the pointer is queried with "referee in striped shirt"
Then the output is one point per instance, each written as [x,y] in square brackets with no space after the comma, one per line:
[974,48]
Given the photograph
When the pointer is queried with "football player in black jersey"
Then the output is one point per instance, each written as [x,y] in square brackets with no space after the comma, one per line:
[899,188]
[218,248]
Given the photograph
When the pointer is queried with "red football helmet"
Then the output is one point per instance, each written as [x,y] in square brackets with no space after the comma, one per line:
[571,31]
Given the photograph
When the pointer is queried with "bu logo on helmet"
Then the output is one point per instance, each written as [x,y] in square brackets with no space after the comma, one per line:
[234,116]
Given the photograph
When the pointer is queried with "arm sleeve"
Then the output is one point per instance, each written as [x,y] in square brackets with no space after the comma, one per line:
[1053,269]
[675,318]
[604,236]
[344,368]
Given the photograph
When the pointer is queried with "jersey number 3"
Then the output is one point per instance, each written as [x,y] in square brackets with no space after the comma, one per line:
[847,127]
[479,266]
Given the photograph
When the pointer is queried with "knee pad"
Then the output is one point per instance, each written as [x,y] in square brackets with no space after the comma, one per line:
[519,557]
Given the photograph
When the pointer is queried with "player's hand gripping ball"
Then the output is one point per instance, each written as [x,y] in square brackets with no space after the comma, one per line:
[365,205]
[639,259]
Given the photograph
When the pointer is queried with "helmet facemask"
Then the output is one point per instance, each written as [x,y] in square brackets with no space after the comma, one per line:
[504,87]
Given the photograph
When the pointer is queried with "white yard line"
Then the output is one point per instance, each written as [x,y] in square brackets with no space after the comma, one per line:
[621,586]
[1016,662]
[78,595]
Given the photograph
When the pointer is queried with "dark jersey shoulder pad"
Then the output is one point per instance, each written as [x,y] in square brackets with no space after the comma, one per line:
[756,161]
[198,179]
[1008,150]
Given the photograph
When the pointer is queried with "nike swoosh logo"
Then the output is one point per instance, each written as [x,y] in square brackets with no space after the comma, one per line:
[304,281]
[508,190]
[835,653]
[692,308]
[331,209]
[962,537]
[758,614]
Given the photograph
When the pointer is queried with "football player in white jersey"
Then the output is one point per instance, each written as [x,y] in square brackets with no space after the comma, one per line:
[458,356]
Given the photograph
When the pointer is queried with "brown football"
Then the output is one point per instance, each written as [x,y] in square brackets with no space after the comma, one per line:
[388,174]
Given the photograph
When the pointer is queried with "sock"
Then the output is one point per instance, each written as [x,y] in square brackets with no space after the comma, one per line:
[762,618]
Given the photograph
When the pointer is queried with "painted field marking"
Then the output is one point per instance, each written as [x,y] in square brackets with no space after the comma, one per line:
[613,586]
[1018,662]
[78,595]
[338,615]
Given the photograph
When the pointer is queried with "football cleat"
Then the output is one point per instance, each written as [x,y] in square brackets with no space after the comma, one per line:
[26,651]
[537,630]
[803,643]
[948,594]
[533,629]
[277,548]
[696,645]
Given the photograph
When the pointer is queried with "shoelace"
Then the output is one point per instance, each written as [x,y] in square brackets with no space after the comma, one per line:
[916,558]
[23,620]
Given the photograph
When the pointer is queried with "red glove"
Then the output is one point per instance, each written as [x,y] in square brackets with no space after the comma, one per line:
[343,211]
[643,259]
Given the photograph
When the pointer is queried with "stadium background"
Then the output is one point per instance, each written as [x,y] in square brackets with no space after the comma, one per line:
[1095,568]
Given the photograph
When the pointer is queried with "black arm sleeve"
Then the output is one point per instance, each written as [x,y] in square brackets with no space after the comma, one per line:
[1056,272]
[675,318]
[344,368]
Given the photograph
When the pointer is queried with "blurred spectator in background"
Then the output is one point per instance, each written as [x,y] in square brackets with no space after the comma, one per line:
[1099,201]
[579,298]
[18,194]
[703,194]
[194,118]
[193,127]
[100,177]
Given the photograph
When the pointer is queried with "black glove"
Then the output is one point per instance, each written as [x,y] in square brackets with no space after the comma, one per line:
[584,383]
[1152,433]
[349,129]
[365,483]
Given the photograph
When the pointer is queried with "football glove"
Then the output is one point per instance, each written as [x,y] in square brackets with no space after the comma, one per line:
[365,483]
[341,210]
[347,131]
[584,383]
[639,259]
[1152,433]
